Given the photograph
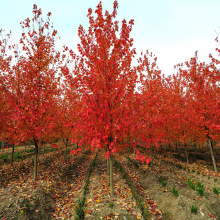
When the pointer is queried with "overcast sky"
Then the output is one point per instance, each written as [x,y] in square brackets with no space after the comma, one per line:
[172,29]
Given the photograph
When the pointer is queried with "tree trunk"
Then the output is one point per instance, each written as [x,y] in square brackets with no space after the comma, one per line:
[25,148]
[35,160]
[108,167]
[12,154]
[187,156]
[176,147]
[44,149]
[3,145]
[66,152]
[171,153]
[152,156]
[135,153]
[111,177]
[212,154]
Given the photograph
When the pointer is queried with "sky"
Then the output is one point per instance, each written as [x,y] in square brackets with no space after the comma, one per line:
[172,29]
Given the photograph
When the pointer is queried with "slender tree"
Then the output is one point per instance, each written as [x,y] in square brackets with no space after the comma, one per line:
[105,79]
[34,83]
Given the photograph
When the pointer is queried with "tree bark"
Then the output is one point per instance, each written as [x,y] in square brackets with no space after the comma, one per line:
[12,154]
[108,167]
[152,160]
[176,147]
[111,177]
[66,145]
[3,145]
[212,154]
[44,148]
[187,156]
[108,163]
[35,160]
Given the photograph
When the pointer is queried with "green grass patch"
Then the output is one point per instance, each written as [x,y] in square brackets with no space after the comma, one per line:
[190,184]
[194,209]
[216,190]
[175,192]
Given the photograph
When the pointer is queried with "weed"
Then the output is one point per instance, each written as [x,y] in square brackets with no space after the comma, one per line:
[175,192]
[216,190]
[198,172]
[111,205]
[209,177]
[200,189]
[193,171]
[27,206]
[215,179]
[80,209]
[190,183]
[199,185]
[194,209]
[164,183]
[162,178]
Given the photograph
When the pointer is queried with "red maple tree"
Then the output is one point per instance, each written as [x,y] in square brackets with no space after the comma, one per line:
[34,84]
[106,81]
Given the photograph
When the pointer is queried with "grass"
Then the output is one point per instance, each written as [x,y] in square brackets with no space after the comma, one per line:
[175,192]
[200,188]
[162,179]
[190,184]
[216,190]
[111,205]
[164,183]
[194,209]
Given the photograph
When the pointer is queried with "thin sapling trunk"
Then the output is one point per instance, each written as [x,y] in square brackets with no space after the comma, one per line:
[111,177]
[12,154]
[212,155]
[35,160]
[187,155]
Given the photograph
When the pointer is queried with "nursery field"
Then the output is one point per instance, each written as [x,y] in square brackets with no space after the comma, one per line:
[108,134]
[77,187]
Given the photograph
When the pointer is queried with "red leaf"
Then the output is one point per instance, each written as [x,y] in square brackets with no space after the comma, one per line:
[107,155]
